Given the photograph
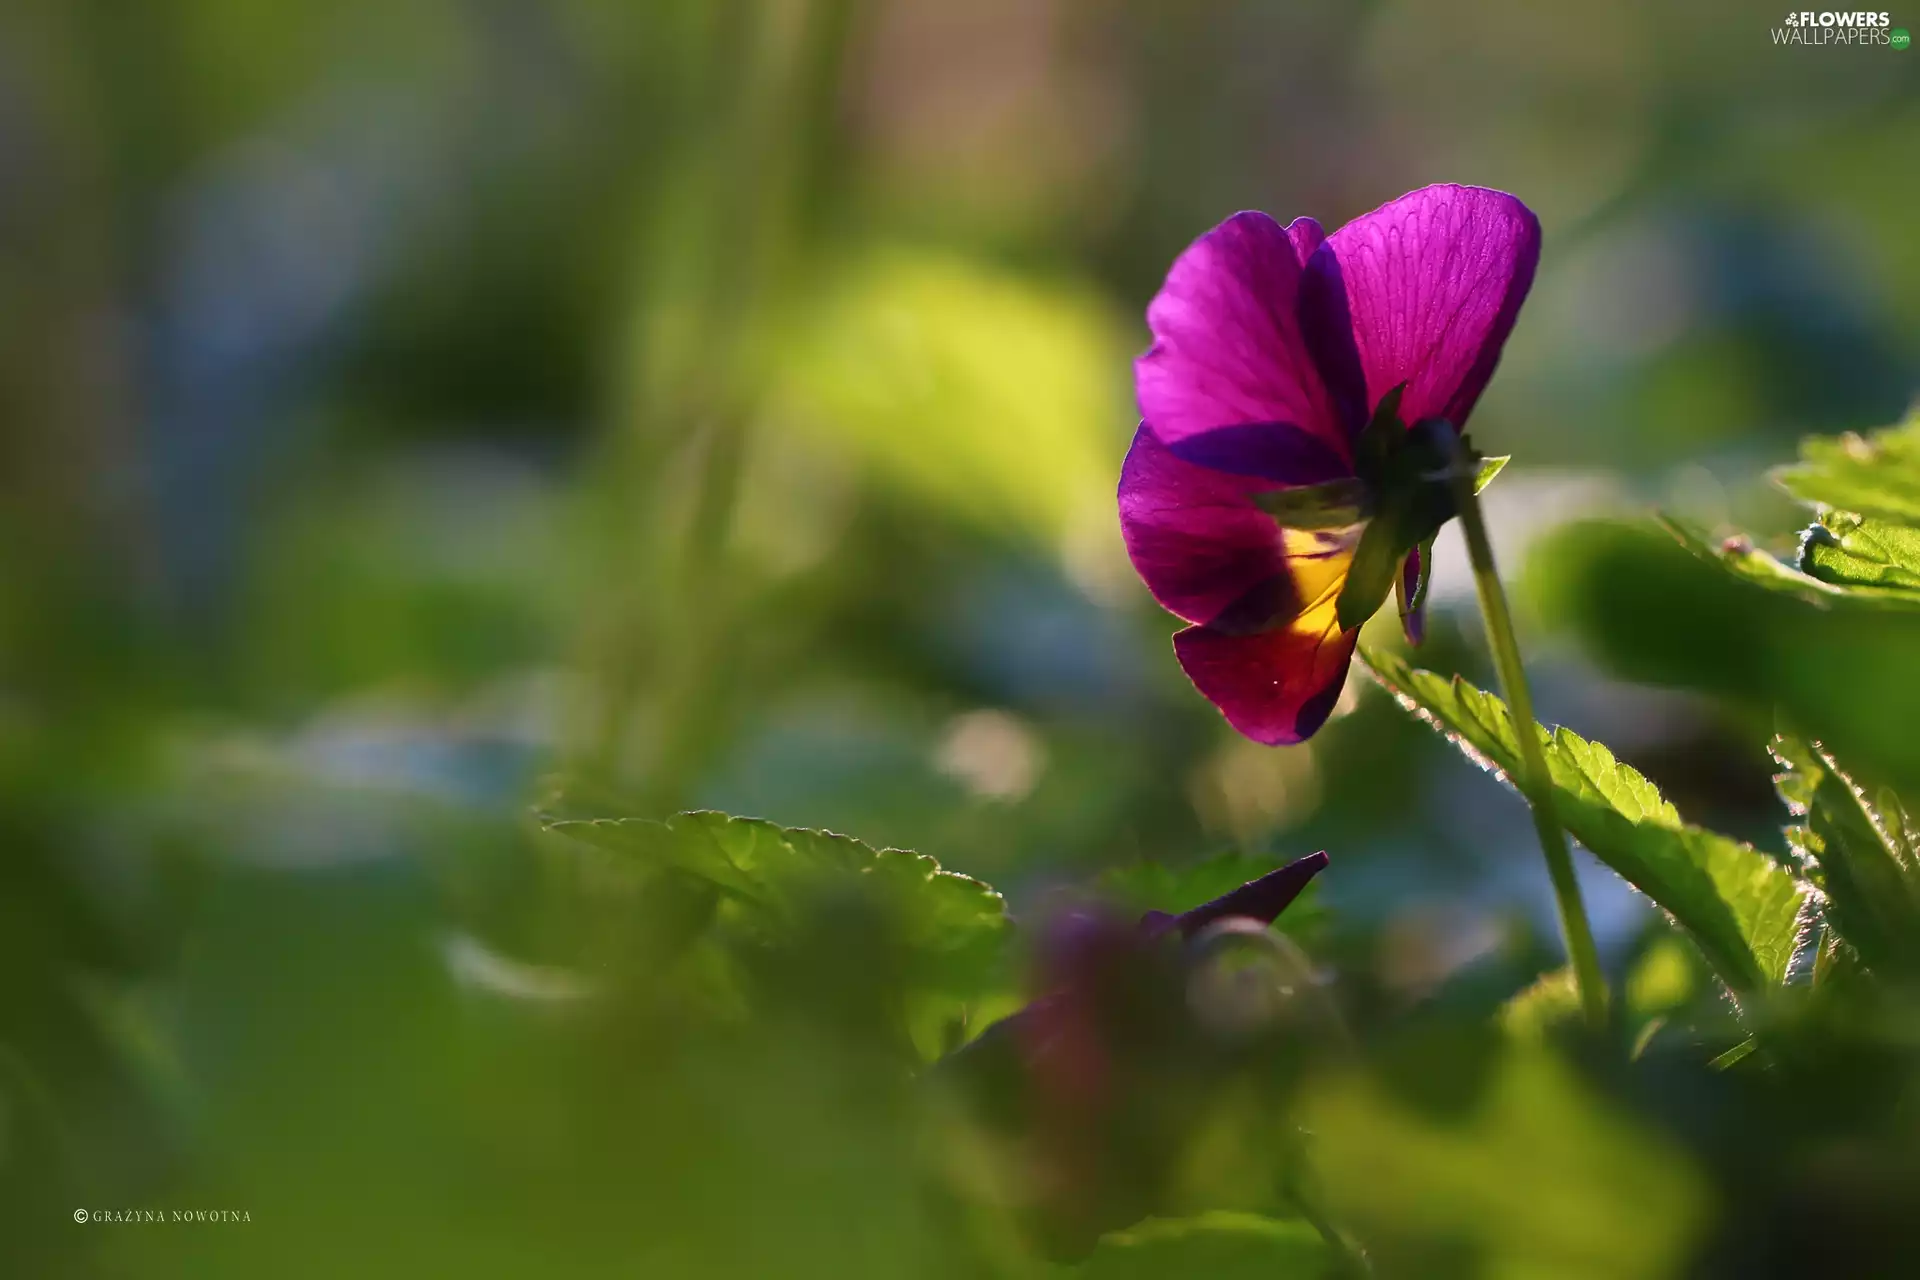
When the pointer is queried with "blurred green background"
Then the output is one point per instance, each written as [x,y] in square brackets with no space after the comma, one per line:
[720,402]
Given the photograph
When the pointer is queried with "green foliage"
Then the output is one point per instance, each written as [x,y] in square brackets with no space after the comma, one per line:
[946,935]
[1825,642]
[1741,559]
[1490,467]
[1834,663]
[1860,854]
[1737,904]
[1848,551]
[1550,1002]
[1537,1178]
[1006,382]
[1220,1246]
[1875,475]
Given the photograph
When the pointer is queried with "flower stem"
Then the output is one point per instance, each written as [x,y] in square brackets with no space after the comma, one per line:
[1535,781]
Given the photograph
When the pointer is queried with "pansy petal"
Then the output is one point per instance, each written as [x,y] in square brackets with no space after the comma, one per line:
[1227,349]
[1412,621]
[1262,899]
[1433,282]
[1277,687]
[1306,235]
[1204,550]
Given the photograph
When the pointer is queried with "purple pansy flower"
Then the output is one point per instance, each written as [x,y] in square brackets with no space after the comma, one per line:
[1295,384]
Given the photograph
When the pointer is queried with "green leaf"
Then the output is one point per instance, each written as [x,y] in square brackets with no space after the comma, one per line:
[1219,1245]
[1489,468]
[1551,1002]
[1859,853]
[1336,504]
[1850,551]
[951,930]
[1739,557]
[771,869]
[1878,475]
[948,342]
[1835,665]
[1741,907]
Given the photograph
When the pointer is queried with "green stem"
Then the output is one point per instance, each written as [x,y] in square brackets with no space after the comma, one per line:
[1535,782]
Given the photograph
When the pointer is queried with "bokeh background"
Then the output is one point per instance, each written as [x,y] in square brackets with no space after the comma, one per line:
[720,402]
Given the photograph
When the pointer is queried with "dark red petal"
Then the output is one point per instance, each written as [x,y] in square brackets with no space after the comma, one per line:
[1277,687]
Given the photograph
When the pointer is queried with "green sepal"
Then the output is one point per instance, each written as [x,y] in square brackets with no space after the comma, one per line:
[1381,439]
[1336,504]
[1376,563]
[1489,468]
[1414,495]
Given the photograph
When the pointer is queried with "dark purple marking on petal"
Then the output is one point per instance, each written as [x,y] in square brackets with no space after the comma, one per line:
[1277,687]
[1264,606]
[1433,282]
[1326,325]
[1205,551]
[1272,451]
[1227,348]
[1196,538]
[1315,710]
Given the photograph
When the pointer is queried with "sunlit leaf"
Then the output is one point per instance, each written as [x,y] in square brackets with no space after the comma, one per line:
[1860,854]
[1489,468]
[770,867]
[1875,475]
[1739,557]
[1665,978]
[1850,551]
[1831,662]
[1218,1245]
[952,930]
[987,394]
[1552,1000]
[1740,906]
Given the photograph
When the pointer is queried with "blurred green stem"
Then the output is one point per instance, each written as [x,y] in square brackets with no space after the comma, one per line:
[1297,1187]
[729,226]
[1536,783]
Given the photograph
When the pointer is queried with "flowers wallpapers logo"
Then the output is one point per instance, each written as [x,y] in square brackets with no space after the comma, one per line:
[1854,28]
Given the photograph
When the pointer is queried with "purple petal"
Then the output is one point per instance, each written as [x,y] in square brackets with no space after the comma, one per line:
[1204,550]
[1305,235]
[1277,687]
[1432,283]
[1262,899]
[1414,620]
[1227,348]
